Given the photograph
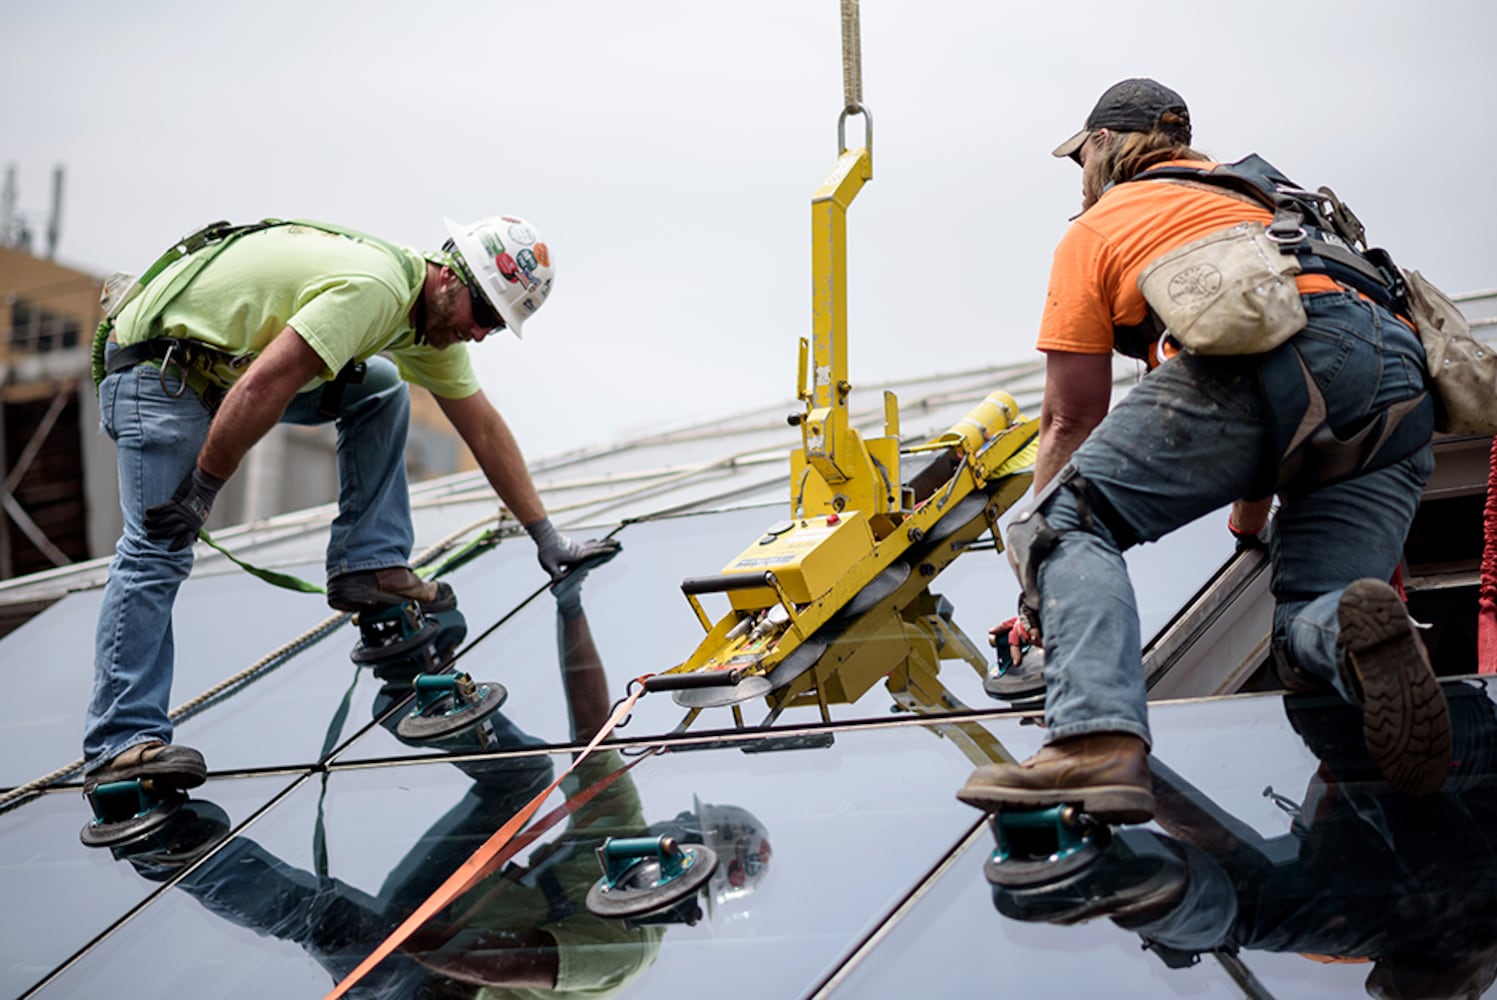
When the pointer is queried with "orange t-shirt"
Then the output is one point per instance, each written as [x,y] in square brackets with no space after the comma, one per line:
[1094,277]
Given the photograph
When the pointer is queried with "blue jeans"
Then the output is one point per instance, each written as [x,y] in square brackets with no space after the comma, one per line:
[1193,436]
[158,437]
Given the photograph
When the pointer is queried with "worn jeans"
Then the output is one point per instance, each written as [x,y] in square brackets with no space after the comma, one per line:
[1191,437]
[158,436]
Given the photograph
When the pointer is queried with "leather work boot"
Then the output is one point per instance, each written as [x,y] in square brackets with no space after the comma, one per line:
[1405,721]
[1105,774]
[377,589]
[166,764]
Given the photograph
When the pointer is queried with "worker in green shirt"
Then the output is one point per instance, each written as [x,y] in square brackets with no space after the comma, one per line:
[239,328]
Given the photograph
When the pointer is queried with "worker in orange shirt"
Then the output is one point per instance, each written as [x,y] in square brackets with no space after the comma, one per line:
[1336,421]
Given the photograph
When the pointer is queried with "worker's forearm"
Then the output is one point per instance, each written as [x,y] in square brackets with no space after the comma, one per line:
[244,417]
[1057,444]
[504,466]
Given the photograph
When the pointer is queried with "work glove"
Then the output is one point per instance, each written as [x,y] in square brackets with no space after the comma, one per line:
[181,518]
[558,553]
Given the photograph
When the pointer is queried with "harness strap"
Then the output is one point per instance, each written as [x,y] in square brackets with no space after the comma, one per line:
[192,360]
[1324,244]
[1313,452]
[330,404]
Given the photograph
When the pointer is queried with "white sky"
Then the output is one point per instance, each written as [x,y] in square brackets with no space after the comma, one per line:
[668,149]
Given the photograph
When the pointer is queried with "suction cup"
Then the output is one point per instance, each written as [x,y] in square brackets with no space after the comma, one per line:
[645,874]
[1040,846]
[446,705]
[126,811]
[754,686]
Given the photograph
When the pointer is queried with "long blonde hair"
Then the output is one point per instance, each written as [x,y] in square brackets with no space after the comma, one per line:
[1127,154]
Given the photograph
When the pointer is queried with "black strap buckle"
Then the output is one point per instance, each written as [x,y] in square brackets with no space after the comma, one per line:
[330,405]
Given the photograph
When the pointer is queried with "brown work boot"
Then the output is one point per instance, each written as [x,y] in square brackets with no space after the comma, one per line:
[165,764]
[377,589]
[1405,722]
[1104,774]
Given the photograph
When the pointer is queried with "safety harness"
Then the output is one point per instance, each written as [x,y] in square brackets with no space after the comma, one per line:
[1326,237]
[201,367]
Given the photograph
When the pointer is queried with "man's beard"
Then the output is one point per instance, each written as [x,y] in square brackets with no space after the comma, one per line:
[437,317]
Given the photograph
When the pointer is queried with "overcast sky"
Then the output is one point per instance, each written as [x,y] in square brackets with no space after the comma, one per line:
[668,150]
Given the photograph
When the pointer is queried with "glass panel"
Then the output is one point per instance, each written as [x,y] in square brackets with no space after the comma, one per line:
[222,624]
[772,921]
[632,608]
[1331,883]
[638,622]
[291,714]
[59,894]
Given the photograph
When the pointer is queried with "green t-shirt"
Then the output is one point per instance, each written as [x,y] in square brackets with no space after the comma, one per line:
[597,957]
[348,298]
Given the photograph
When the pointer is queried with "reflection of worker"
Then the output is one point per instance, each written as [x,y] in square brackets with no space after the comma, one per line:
[1199,432]
[1409,885]
[525,931]
[268,324]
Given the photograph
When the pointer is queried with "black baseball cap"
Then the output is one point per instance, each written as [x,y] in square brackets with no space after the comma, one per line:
[1133,105]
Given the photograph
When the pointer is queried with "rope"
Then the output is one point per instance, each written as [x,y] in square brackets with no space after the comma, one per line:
[273,659]
[852,58]
[1486,594]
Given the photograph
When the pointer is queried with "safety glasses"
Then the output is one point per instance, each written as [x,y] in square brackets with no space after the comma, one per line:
[484,313]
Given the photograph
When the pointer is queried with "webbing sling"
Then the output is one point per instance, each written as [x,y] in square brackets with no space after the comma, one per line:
[219,233]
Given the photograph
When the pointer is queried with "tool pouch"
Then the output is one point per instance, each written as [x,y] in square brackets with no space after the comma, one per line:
[1232,292]
[1462,369]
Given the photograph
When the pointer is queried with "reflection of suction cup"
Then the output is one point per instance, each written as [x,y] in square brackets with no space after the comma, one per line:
[1022,685]
[446,705]
[126,811]
[1039,846]
[391,633]
[753,686]
[646,874]
[1132,875]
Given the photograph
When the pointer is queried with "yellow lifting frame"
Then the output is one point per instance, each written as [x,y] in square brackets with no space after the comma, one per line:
[835,469]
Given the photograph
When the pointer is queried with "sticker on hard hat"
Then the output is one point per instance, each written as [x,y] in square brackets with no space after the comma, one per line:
[521,233]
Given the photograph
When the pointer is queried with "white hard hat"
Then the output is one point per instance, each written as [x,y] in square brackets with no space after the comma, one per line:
[743,852]
[509,263]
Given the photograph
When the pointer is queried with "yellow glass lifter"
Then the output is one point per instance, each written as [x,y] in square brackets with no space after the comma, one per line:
[835,598]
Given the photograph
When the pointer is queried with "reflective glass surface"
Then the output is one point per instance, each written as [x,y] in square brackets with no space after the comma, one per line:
[59,895]
[222,624]
[792,893]
[1288,870]
[846,864]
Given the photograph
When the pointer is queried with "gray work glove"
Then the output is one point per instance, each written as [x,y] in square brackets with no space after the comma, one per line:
[181,518]
[558,553]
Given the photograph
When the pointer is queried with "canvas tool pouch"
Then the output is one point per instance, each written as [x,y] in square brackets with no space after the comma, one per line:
[1462,369]
[1232,292]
